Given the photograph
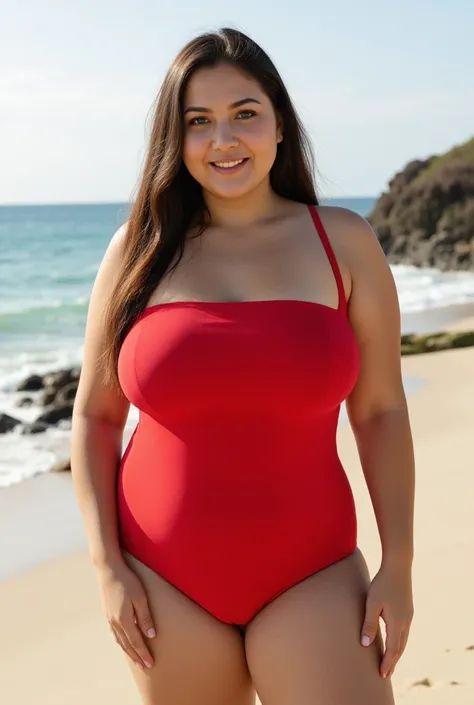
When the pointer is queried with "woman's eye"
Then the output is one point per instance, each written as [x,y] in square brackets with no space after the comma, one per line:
[246,114]
[194,121]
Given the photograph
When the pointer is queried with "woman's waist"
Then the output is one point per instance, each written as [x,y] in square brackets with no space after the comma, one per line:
[209,477]
[226,436]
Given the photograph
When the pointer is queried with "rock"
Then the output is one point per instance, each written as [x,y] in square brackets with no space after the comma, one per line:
[33,383]
[24,401]
[35,427]
[61,378]
[427,682]
[51,383]
[62,466]
[48,396]
[59,390]
[7,423]
[67,393]
[427,216]
[416,344]
[56,413]
[60,395]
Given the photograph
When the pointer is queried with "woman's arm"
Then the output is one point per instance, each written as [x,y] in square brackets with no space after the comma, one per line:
[378,415]
[377,407]
[98,421]
[99,417]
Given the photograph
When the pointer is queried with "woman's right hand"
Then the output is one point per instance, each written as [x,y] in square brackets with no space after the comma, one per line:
[127,611]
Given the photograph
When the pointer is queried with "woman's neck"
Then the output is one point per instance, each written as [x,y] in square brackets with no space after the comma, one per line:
[257,207]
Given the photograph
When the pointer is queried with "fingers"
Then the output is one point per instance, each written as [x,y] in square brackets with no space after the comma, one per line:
[137,644]
[143,616]
[130,638]
[371,622]
[393,650]
[123,642]
[403,642]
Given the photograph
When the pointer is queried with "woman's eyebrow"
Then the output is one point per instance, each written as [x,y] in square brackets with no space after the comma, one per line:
[237,104]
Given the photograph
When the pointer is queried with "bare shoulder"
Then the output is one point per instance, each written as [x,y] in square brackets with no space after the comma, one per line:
[350,234]
[374,313]
[118,240]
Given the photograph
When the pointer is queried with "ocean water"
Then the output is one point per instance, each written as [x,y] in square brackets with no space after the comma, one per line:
[49,256]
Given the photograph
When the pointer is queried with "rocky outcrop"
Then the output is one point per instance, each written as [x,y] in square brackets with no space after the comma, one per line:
[427,216]
[56,394]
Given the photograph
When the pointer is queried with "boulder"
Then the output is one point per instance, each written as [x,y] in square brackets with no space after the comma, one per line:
[8,423]
[57,413]
[35,427]
[33,383]
[24,401]
[62,466]
[58,392]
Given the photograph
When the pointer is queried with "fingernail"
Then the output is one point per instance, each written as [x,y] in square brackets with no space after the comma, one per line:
[151,633]
[366,641]
[137,663]
[148,664]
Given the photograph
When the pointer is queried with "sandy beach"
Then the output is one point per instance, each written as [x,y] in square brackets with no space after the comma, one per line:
[57,649]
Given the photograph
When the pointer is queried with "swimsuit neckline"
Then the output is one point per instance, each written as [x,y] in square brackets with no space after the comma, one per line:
[209,304]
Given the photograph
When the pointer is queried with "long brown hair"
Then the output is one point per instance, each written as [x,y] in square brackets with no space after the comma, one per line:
[169,200]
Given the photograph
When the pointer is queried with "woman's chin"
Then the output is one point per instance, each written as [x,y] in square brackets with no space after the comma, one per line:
[229,191]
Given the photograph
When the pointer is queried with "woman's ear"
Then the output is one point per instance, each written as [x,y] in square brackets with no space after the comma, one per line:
[279,132]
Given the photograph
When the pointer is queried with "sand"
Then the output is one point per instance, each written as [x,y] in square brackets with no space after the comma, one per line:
[56,648]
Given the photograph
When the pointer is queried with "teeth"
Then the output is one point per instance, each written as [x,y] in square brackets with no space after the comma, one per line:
[228,165]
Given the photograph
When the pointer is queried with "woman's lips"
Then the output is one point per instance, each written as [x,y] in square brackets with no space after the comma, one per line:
[229,169]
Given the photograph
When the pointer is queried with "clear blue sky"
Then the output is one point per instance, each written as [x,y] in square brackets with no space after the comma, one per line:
[376,83]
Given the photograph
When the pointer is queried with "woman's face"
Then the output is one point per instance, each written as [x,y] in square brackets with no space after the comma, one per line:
[230,131]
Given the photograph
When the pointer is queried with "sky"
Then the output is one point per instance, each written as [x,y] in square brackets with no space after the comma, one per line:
[376,83]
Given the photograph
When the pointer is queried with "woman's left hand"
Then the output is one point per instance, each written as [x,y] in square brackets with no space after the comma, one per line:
[389,597]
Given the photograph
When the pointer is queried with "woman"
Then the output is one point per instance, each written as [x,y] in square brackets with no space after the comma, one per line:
[237,314]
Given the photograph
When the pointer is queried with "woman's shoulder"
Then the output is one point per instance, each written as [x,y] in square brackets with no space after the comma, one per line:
[350,234]
[341,217]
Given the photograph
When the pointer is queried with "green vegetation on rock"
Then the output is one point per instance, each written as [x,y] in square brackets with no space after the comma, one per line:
[462,154]
[416,344]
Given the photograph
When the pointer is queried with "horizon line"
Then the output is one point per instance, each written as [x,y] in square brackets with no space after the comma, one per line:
[127,203]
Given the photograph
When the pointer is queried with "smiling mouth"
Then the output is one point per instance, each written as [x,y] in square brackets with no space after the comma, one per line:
[229,166]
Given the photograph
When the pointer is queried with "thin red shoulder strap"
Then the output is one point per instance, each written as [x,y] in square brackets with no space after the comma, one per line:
[342,305]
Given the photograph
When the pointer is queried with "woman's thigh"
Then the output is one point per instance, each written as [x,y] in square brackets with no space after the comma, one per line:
[304,647]
[198,660]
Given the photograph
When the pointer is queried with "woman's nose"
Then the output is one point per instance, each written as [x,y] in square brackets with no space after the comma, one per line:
[224,136]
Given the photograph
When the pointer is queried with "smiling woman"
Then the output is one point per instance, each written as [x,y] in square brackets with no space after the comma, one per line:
[237,314]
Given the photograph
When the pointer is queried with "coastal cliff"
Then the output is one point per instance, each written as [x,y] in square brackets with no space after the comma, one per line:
[426,218]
